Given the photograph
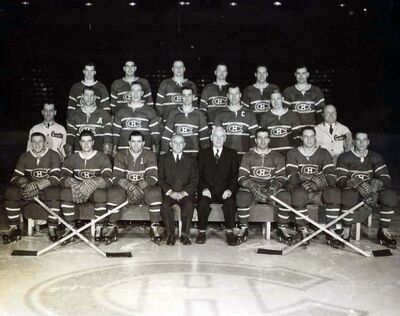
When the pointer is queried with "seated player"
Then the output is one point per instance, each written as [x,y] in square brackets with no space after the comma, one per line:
[135,175]
[363,175]
[86,175]
[37,174]
[261,173]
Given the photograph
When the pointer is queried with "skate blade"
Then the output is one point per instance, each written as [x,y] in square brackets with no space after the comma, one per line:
[118,254]
[24,253]
[382,253]
[263,251]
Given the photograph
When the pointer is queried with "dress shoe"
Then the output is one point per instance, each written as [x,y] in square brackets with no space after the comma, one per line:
[185,240]
[231,239]
[170,241]
[201,238]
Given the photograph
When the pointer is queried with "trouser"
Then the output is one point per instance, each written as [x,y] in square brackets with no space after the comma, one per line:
[204,210]
[186,204]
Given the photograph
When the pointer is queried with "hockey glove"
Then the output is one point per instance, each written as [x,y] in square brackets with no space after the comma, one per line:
[272,189]
[21,182]
[372,201]
[68,182]
[30,191]
[376,184]
[43,183]
[88,186]
[354,183]
[255,189]
[365,190]
[142,184]
[309,186]
[320,181]
[77,195]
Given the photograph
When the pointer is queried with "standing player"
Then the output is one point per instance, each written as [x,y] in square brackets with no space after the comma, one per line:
[282,124]
[135,175]
[363,175]
[86,175]
[312,178]
[121,88]
[37,174]
[89,117]
[214,95]
[101,94]
[169,92]
[55,133]
[239,122]
[257,96]
[135,116]
[188,122]
[304,98]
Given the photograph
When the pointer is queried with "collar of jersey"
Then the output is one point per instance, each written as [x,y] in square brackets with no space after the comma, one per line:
[39,156]
[87,85]
[254,85]
[300,149]
[357,155]
[135,107]
[182,111]
[90,157]
[302,89]
[137,78]
[179,83]
[257,152]
[132,154]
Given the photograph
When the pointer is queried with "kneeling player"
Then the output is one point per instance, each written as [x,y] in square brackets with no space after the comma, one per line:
[363,175]
[86,175]
[36,174]
[261,173]
[135,176]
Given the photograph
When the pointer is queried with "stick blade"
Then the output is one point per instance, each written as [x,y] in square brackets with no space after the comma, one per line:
[31,253]
[118,254]
[382,253]
[263,251]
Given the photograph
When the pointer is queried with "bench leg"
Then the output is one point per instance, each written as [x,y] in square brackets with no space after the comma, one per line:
[264,230]
[369,223]
[358,231]
[268,230]
[92,229]
[31,223]
[179,228]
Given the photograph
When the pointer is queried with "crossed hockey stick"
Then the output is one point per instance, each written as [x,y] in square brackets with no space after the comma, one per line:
[73,233]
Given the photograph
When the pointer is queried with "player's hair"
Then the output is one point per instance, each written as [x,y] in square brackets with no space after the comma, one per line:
[187,88]
[276,91]
[261,65]
[38,134]
[233,86]
[176,60]
[261,130]
[90,64]
[360,131]
[87,88]
[86,133]
[299,66]
[136,133]
[221,64]
[129,58]
[311,128]
[49,103]
[137,83]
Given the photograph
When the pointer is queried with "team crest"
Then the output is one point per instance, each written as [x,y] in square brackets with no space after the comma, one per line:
[133,123]
[87,128]
[177,98]
[340,137]
[234,128]
[303,107]
[263,172]
[185,130]
[279,132]
[309,169]
[262,107]
[38,174]
[134,177]
[56,135]
[86,174]
[218,101]
[127,97]
[361,175]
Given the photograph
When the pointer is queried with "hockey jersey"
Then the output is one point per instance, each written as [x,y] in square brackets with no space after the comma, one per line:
[169,96]
[98,122]
[283,130]
[192,126]
[37,167]
[308,104]
[351,165]
[143,168]
[262,168]
[142,119]
[97,165]
[320,161]
[75,96]
[240,128]
[121,93]
[213,99]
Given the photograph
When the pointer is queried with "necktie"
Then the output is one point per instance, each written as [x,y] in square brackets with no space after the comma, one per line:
[217,156]
[330,129]
[178,159]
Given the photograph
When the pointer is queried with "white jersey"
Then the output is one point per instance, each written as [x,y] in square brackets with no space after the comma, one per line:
[56,136]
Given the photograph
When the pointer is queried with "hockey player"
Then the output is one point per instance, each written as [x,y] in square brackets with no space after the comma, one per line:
[304,98]
[121,88]
[89,117]
[239,122]
[135,116]
[282,123]
[86,175]
[169,92]
[135,175]
[214,95]
[261,173]
[37,174]
[55,133]
[333,136]
[101,94]
[363,175]
[257,96]
[189,122]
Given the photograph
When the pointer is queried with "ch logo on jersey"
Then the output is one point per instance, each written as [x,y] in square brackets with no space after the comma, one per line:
[262,172]
[177,98]
[309,169]
[262,107]
[218,101]
[279,131]
[87,128]
[185,130]
[127,97]
[38,174]
[57,135]
[360,175]
[234,128]
[133,123]
[303,107]
[86,174]
[134,177]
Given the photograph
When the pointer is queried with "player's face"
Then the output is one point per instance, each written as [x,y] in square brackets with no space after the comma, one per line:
[361,142]
[86,143]
[187,97]
[88,97]
[330,115]
[177,144]
[218,138]
[308,138]
[89,72]
[301,75]
[48,112]
[136,93]
[221,72]
[261,74]
[136,144]
[178,69]
[37,143]
[262,140]
[276,100]
[234,96]
[129,68]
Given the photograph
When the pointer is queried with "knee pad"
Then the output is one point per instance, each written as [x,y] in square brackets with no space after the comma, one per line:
[388,198]
[116,194]
[299,197]
[285,197]
[100,196]
[332,196]
[244,199]
[13,194]
[152,195]
[350,197]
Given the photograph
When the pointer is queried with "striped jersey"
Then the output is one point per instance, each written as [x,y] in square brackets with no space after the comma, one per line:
[213,99]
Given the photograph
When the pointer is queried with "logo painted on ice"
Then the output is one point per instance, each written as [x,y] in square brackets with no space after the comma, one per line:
[279,131]
[87,128]
[39,174]
[177,98]
[360,175]
[185,130]
[309,169]
[303,107]
[263,172]
[219,101]
[133,123]
[134,177]
[86,174]
[262,107]
[234,128]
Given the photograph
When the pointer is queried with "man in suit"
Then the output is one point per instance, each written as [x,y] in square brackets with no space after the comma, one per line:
[218,170]
[178,179]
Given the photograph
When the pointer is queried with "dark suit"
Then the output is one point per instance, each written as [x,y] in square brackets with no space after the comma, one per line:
[218,177]
[177,177]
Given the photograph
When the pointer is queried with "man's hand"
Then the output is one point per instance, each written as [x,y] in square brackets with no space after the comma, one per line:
[226,194]
[207,193]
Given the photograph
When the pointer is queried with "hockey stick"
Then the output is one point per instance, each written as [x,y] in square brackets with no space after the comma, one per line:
[74,232]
